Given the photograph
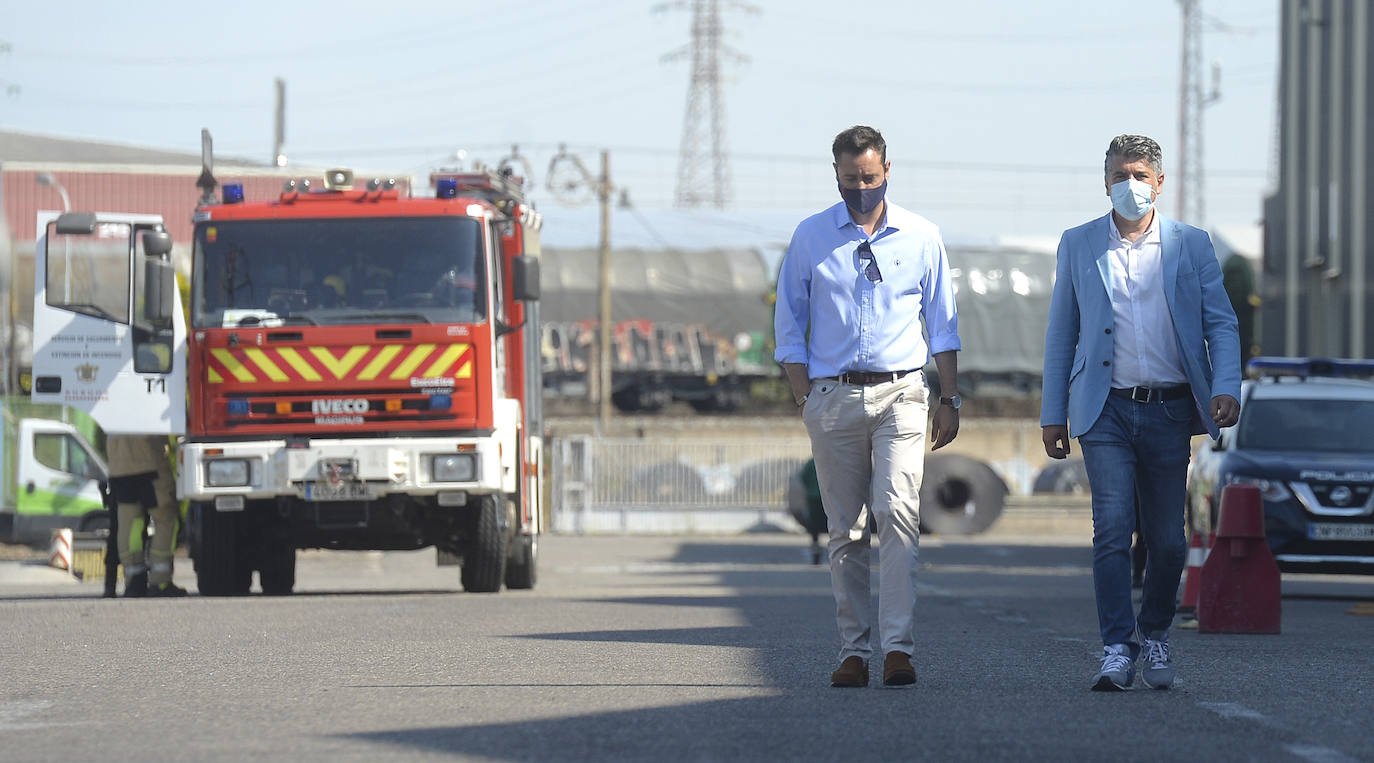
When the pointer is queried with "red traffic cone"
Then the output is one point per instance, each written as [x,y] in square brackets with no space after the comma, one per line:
[1240,590]
[1192,580]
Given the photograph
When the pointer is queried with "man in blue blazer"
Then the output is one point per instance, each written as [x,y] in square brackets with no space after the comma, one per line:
[1141,353]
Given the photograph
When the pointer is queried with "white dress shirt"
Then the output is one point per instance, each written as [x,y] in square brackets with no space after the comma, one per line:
[1145,347]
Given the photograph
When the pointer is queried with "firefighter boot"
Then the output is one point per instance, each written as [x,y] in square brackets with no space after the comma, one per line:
[135,581]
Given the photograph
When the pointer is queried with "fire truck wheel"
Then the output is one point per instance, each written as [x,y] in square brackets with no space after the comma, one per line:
[277,570]
[217,544]
[484,564]
[520,567]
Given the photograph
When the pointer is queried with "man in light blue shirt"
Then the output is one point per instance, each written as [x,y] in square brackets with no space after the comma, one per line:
[857,286]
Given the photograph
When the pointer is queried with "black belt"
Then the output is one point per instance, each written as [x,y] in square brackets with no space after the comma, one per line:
[873,377]
[1152,394]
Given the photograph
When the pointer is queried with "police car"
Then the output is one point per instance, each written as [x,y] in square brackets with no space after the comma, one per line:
[1305,438]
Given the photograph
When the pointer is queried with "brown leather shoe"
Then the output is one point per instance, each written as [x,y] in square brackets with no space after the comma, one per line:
[852,672]
[897,670]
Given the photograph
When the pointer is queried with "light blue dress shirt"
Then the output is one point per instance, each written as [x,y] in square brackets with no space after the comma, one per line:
[857,324]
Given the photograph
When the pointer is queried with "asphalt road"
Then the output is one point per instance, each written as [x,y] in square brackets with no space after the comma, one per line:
[660,649]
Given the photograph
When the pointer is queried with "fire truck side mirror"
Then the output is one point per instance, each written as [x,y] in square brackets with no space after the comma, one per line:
[159,282]
[525,277]
[156,243]
[76,223]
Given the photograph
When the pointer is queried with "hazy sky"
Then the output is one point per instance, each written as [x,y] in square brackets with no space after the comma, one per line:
[996,112]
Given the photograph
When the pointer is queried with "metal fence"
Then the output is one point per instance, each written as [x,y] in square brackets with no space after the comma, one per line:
[626,485]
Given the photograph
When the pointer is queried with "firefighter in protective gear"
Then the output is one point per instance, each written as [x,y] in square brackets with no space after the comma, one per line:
[141,482]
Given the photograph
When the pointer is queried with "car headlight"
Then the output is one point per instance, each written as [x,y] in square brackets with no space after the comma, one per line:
[226,472]
[454,467]
[1270,490]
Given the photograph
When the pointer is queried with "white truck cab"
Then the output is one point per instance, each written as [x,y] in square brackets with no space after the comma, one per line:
[109,335]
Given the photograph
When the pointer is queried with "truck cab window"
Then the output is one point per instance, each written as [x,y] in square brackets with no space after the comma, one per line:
[61,453]
[339,271]
[90,273]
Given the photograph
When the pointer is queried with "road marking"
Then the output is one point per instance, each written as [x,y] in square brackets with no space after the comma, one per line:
[1318,754]
[1310,752]
[1362,608]
[13,715]
[1233,710]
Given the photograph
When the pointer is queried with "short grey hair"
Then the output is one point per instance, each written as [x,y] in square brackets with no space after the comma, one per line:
[1133,148]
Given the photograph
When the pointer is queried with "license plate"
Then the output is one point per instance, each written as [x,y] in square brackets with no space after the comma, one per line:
[1332,531]
[339,491]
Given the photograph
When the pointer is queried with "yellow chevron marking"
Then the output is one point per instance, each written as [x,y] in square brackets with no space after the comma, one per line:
[416,357]
[213,376]
[265,363]
[339,366]
[232,363]
[378,363]
[303,368]
[465,372]
[438,367]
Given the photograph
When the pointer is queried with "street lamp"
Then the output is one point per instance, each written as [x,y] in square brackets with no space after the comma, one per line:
[46,178]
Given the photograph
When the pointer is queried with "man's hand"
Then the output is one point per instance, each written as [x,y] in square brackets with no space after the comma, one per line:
[1056,441]
[1225,410]
[944,426]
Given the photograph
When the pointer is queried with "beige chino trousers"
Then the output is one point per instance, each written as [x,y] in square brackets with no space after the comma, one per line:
[869,444]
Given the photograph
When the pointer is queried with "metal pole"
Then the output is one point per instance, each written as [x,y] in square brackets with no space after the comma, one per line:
[1359,152]
[604,289]
[1294,183]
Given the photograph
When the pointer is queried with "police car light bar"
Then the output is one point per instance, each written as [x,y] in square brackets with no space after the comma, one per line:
[1305,367]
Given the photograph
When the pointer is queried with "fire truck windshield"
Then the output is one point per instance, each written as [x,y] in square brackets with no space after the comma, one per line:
[338,271]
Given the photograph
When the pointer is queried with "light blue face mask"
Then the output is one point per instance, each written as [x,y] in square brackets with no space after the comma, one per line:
[1132,199]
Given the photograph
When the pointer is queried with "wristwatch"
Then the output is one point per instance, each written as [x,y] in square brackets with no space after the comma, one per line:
[953,401]
[802,400]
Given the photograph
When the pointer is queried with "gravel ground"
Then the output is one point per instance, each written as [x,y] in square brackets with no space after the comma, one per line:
[10,552]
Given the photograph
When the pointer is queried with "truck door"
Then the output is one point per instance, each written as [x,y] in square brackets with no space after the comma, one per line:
[58,475]
[109,334]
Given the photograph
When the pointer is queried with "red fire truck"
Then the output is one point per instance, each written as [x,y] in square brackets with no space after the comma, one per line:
[361,369]
[364,374]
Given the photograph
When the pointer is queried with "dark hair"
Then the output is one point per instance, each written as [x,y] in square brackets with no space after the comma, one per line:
[1133,148]
[857,140]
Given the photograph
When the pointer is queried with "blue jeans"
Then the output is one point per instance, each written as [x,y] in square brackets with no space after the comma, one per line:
[1136,455]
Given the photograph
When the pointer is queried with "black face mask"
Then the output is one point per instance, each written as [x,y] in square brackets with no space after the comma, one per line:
[863,200]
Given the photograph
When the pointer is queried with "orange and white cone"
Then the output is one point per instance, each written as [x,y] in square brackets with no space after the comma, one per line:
[60,554]
[1197,554]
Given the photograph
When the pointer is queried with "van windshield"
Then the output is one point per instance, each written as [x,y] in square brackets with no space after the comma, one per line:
[338,271]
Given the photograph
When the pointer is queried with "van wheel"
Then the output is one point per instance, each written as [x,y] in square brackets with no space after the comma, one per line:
[217,547]
[484,564]
[94,521]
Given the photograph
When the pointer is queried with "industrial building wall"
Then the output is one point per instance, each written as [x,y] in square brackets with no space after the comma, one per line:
[1318,265]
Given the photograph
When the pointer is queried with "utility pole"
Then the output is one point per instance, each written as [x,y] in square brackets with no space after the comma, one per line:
[574,190]
[1192,101]
[703,176]
[279,125]
[603,193]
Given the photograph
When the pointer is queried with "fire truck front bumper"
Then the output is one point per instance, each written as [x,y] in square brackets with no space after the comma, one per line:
[447,468]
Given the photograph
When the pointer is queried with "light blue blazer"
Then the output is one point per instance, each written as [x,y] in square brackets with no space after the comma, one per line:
[1079,341]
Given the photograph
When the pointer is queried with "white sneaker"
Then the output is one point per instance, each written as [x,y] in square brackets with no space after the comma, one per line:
[1118,669]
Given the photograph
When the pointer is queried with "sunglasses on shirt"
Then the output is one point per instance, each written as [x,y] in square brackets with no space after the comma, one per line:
[871,271]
